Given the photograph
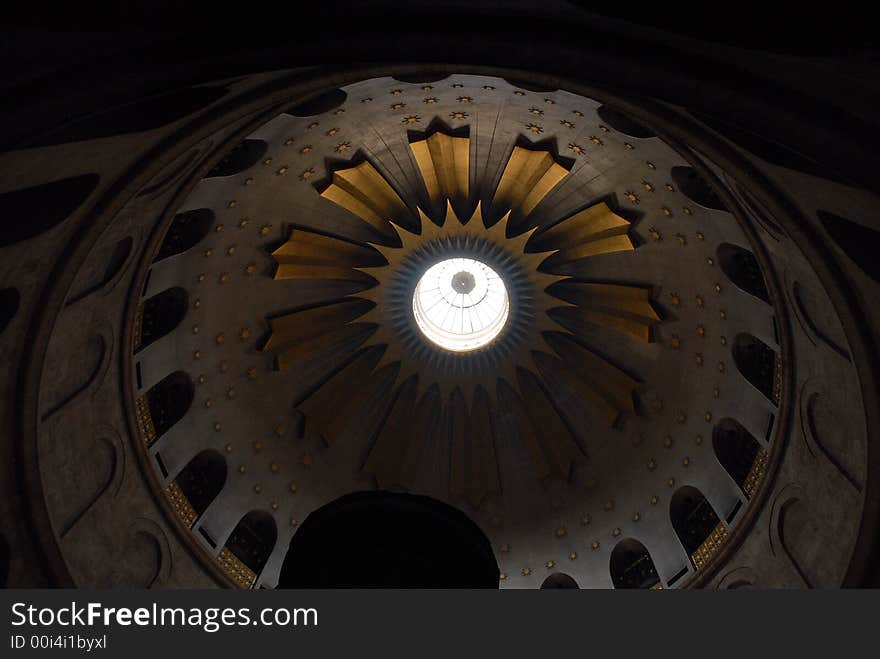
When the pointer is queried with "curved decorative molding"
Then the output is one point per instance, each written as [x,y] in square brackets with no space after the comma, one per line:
[153,532]
[808,324]
[807,399]
[786,496]
[739,577]
[110,437]
[117,263]
[105,337]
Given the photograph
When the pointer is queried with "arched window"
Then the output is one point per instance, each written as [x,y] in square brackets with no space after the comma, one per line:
[737,451]
[623,122]
[244,156]
[202,479]
[631,566]
[742,268]
[161,314]
[559,580]
[252,542]
[530,86]
[28,212]
[696,524]
[695,187]
[329,100]
[186,230]
[757,363]
[422,77]
[404,541]
[167,401]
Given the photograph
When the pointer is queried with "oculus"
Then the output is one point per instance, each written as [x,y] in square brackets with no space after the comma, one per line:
[460,304]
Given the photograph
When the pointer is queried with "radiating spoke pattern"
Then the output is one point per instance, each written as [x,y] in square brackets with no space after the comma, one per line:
[460,304]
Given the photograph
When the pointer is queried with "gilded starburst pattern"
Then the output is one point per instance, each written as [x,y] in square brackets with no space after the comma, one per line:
[377,325]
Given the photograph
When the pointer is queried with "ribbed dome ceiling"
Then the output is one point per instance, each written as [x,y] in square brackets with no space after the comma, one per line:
[588,422]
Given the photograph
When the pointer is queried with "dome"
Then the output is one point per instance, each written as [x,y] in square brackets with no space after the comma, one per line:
[579,320]
[537,329]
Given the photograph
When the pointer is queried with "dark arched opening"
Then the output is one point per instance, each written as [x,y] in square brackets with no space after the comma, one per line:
[737,450]
[28,212]
[757,363]
[244,156]
[161,314]
[631,565]
[696,524]
[168,400]
[186,230]
[695,187]
[202,479]
[559,580]
[531,86]
[623,123]
[389,540]
[253,540]
[742,268]
[320,104]
[422,77]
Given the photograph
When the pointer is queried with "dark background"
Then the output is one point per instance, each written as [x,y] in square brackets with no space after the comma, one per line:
[813,66]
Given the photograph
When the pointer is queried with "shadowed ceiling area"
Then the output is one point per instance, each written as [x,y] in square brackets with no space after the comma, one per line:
[388,540]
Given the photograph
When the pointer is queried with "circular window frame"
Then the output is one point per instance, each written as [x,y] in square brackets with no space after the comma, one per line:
[449,340]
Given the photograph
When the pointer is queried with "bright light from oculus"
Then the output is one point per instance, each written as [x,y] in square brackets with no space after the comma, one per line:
[461,304]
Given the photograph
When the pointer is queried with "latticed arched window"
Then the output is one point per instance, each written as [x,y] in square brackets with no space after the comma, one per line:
[742,268]
[244,156]
[696,524]
[160,315]
[168,400]
[757,363]
[250,543]
[739,453]
[631,566]
[186,230]
[695,187]
[202,479]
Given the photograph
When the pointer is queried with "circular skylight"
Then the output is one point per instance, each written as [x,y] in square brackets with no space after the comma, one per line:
[460,304]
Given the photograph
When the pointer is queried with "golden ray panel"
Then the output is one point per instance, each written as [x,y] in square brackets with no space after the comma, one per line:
[444,163]
[528,177]
[315,256]
[593,231]
[626,309]
[303,334]
[365,192]
[467,389]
